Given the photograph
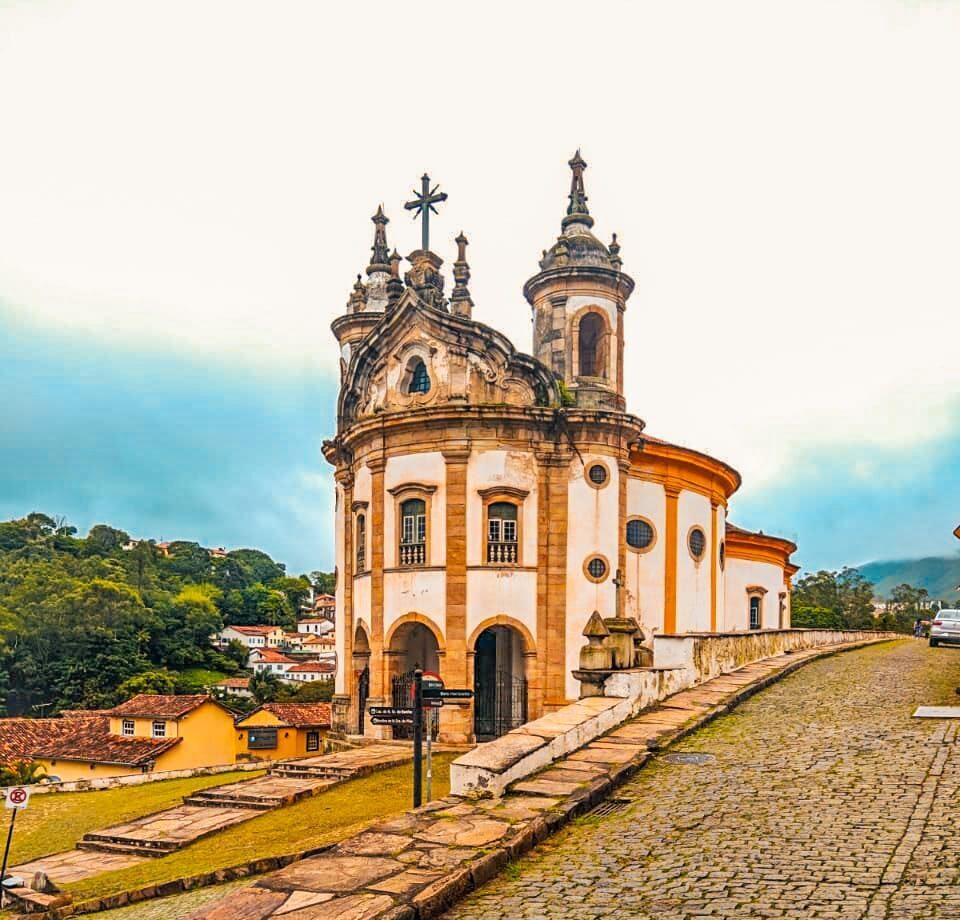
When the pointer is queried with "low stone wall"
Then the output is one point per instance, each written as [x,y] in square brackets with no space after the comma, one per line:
[138,779]
[682,661]
[706,655]
[489,768]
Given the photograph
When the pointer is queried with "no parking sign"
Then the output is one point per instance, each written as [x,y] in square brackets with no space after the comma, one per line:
[17,797]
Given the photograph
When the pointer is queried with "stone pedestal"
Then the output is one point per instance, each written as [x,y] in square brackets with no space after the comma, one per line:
[343,719]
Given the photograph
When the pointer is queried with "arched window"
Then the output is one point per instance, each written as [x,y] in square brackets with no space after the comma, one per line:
[756,607]
[502,533]
[419,378]
[591,346]
[413,532]
[361,543]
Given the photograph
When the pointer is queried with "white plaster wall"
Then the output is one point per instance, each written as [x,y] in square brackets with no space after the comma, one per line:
[501,591]
[491,468]
[693,580]
[742,573]
[592,528]
[338,593]
[577,303]
[721,574]
[414,591]
[644,574]
[361,603]
[428,469]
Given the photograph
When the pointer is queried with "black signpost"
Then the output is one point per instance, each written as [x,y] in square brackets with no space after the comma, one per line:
[417,736]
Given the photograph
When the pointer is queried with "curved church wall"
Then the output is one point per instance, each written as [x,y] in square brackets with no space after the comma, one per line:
[338,632]
[748,573]
[644,570]
[693,578]
[592,530]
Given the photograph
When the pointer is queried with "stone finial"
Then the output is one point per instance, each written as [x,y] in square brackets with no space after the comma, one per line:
[595,655]
[595,628]
[614,248]
[358,297]
[394,282]
[425,278]
[380,260]
[461,303]
[577,212]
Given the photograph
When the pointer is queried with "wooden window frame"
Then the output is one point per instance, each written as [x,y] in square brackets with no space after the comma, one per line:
[313,741]
[162,725]
[404,493]
[123,728]
[755,592]
[493,496]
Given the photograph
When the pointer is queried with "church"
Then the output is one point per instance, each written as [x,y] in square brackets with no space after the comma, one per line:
[488,501]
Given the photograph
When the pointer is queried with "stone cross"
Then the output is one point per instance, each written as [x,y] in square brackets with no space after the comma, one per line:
[619,584]
[423,204]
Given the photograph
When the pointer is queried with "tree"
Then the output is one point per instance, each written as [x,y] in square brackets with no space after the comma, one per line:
[324,582]
[315,691]
[154,681]
[266,687]
[237,652]
[21,773]
[104,539]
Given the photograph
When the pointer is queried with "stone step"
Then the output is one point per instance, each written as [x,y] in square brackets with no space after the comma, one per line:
[130,848]
[312,771]
[27,901]
[257,804]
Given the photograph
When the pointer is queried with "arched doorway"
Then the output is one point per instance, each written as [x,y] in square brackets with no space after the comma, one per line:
[412,646]
[499,682]
[361,667]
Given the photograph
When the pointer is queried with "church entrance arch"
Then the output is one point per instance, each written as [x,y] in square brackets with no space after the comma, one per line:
[361,668]
[412,645]
[499,682]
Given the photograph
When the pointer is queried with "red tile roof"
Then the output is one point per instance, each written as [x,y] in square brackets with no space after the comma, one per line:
[297,715]
[160,706]
[238,683]
[254,630]
[271,655]
[313,667]
[85,738]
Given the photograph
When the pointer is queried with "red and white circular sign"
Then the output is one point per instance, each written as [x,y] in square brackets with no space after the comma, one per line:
[18,797]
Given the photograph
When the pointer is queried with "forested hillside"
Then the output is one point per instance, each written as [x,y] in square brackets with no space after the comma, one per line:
[86,622]
[940,575]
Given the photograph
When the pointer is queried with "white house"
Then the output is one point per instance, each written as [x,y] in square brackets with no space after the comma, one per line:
[319,626]
[269,659]
[251,636]
[311,671]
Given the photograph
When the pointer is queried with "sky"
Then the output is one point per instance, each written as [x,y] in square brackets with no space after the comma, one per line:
[185,193]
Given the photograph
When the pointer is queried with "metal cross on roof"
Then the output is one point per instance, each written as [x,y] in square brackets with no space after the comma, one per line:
[423,204]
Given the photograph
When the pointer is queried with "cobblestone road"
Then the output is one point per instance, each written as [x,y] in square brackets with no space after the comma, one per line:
[825,799]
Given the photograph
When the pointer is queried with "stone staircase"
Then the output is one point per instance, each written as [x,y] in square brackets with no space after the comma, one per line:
[275,790]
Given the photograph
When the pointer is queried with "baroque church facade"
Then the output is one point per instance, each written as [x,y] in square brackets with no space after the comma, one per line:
[489,501]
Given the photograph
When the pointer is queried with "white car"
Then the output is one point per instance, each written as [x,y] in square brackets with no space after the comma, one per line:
[945,627]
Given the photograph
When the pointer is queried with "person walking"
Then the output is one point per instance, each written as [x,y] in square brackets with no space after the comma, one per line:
[918,629]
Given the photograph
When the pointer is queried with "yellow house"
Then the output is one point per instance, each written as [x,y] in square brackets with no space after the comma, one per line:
[148,733]
[280,731]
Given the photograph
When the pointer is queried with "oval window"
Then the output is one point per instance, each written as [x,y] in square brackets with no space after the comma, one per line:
[639,533]
[697,542]
[597,474]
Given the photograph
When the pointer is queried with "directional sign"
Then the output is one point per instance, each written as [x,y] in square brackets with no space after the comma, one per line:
[430,703]
[382,720]
[18,797]
[391,712]
[455,694]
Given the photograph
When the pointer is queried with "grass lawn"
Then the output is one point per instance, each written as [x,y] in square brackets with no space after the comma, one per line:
[325,818]
[54,822]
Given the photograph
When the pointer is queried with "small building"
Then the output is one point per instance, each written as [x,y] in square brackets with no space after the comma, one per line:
[146,734]
[310,671]
[279,731]
[269,659]
[319,626]
[251,636]
[233,686]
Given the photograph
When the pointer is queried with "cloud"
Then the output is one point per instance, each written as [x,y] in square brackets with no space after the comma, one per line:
[166,447]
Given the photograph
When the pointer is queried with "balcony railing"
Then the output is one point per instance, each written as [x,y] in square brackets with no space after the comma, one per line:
[413,554]
[502,553]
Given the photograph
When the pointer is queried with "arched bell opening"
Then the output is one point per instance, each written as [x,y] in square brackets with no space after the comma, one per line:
[500,684]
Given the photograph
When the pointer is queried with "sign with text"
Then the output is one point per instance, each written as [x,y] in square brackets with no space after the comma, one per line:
[390,712]
[17,797]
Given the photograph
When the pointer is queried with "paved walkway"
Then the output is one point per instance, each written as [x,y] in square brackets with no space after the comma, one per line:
[822,798]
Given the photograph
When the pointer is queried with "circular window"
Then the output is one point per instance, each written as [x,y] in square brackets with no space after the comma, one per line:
[596,568]
[697,542]
[640,534]
[597,474]
[723,555]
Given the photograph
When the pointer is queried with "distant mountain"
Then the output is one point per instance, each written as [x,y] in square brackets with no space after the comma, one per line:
[940,575]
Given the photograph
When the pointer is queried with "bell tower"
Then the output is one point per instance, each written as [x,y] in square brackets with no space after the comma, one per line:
[578,299]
